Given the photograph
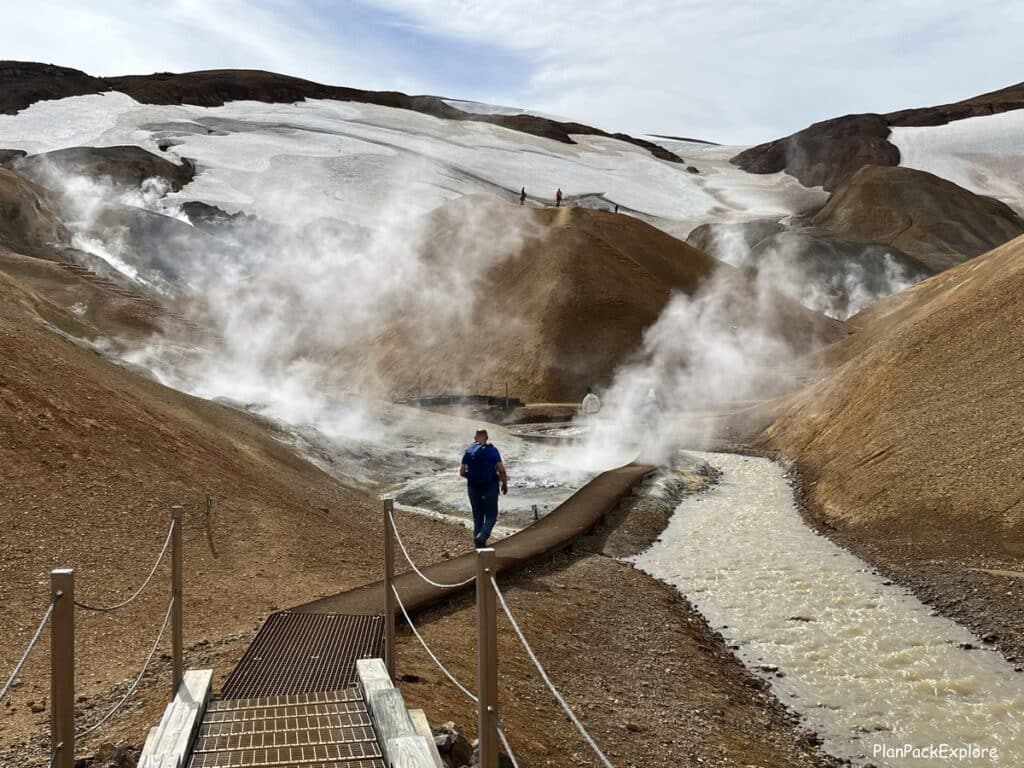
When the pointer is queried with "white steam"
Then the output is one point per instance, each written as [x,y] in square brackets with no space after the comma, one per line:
[723,349]
[85,201]
[831,277]
[292,312]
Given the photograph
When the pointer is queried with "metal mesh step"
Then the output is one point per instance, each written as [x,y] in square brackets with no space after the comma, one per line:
[262,725]
[358,755]
[349,694]
[294,710]
[297,653]
[287,738]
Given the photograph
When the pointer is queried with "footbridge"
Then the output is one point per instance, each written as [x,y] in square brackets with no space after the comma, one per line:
[316,687]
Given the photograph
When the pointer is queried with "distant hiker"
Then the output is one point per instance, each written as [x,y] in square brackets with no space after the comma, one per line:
[616,207]
[650,411]
[522,196]
[591,404]
[483,469]
[558,198]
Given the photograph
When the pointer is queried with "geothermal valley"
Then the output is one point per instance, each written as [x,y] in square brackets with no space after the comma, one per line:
[277,302]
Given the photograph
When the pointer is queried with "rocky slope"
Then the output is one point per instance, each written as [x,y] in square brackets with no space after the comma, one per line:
[934,221]
[885,228]
[910,449]
[94,455]
[829,153]
[28,82]
[563,311]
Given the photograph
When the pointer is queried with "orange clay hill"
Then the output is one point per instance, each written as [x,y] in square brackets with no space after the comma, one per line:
[917,434]
[92,458]
[560,312]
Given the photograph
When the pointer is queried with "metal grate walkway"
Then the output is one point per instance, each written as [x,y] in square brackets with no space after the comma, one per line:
[314,730]
[296,653]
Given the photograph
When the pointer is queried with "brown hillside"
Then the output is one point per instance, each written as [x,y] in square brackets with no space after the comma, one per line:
[23,83]
[26,221]
[124,166]
[829,153]
[917,433]
[928,218]
[92,458]
[561,314]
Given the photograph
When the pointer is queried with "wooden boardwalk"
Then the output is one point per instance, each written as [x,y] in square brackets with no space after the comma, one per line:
[571,520]
[311,689]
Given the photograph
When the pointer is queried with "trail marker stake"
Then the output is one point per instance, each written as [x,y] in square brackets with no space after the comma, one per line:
[389,583]
[177,608]
[487,658]
[62,668]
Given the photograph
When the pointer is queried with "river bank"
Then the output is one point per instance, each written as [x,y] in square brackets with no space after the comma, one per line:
[970,582]
[865,663]
[651,680]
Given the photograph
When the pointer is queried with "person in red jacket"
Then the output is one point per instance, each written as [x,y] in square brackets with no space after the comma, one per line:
[558,198]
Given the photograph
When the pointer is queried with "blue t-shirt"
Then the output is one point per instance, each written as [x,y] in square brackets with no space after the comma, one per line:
[481,460]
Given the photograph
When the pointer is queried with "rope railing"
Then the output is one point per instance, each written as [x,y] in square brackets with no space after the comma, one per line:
[131,689]
[408,558]
[53,755]
[24,657]
[139,591]
[503,737]
[547,680]
[430,653]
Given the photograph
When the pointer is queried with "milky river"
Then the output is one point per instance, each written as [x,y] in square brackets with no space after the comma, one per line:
[867,665]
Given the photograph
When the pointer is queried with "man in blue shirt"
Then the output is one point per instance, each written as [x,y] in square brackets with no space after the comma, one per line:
[483,470]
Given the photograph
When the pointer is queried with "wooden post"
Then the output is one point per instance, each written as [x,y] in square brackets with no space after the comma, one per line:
[506,395]
[62,667]
[389,584]
[487,658]
[177,608]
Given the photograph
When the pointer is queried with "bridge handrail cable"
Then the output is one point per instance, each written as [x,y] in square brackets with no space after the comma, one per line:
[430,653]
[401,545]
[547,680]
[152,572]
[503,737]
[131,689]
[24,657]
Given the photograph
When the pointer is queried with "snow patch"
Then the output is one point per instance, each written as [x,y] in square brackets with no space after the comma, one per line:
[983,154]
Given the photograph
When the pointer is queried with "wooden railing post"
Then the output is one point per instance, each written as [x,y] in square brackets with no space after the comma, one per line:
[389,584]
[487,659]
[177,608]
[62,668]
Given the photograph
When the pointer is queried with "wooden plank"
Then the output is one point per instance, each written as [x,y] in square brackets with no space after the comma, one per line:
[390,717]
[422,726]
[147,748]
[409,752]
[372,676]
[168,746]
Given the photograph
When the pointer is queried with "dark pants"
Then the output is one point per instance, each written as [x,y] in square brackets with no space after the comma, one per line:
[484,500]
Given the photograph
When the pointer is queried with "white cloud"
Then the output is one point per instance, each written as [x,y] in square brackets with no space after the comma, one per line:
[743,70]
[113,37]
[740,71]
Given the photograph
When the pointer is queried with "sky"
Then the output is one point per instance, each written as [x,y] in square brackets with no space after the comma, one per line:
[731,71]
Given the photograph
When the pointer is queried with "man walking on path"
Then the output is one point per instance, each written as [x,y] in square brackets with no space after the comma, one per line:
[558,198]
[483,470]
[522,196]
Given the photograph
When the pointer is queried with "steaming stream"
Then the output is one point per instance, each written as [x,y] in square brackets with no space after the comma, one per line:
[864,662]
